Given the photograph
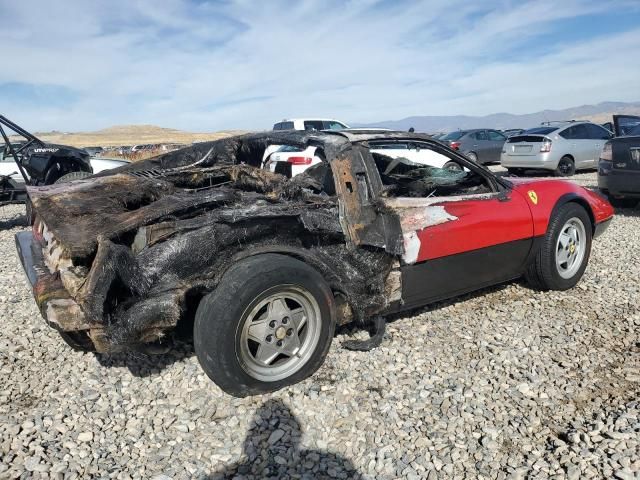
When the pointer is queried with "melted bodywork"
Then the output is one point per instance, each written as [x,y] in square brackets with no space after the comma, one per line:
[129,253]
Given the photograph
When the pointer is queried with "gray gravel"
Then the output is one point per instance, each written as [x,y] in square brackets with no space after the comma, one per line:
[506,383]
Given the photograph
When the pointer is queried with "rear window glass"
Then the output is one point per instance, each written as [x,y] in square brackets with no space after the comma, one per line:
[541,130]
[283,126]
[290,148]
[453,135]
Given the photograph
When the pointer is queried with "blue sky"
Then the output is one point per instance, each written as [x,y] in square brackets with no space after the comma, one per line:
[241,64]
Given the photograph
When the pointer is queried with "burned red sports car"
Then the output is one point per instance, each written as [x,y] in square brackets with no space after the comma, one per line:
[266,266]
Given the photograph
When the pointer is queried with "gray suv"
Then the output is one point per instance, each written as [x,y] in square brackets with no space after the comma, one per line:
[562,147]
[479,145]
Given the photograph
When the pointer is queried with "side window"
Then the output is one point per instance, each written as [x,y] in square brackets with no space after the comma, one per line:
[420,177]
[481,135]
[313,125]
[496,136]
[568,133]
[595,132]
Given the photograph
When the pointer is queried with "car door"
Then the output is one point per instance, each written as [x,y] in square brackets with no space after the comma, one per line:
[579,145]
[456,242]
[496,140]
[598,136]
[479,145]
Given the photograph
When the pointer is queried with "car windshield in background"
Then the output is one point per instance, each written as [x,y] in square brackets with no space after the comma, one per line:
[635,130]
[283,126]
[541,130]
[453,135]
[335,126]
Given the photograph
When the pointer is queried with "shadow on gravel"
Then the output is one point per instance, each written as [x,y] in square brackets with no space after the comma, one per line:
[10,221]
[145,363]
[272,450]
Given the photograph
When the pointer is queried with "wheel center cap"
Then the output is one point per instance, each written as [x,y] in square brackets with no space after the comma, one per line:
[572,248]
[281,332]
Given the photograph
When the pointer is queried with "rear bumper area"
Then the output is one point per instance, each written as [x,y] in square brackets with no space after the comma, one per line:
[620,183]
[56,306]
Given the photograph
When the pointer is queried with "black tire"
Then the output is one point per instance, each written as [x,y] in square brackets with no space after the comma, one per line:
[542,273]
[222,314]
[29,211]
[69,177]
[566,167]
[453,166]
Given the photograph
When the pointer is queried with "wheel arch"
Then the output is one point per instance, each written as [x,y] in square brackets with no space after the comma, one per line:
[575,198]
[192,297]
[57,168]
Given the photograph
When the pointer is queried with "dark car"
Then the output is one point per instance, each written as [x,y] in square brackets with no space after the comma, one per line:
[619,164]
[264,267]
[479,145]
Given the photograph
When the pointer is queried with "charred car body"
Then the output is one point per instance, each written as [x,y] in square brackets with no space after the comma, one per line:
[268,266]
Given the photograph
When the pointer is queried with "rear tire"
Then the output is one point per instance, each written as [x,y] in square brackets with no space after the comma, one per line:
[566,167]
[268,324]
[563,256]
[70,177]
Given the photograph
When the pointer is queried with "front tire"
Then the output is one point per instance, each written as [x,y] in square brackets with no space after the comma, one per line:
[268,324]
[564,253]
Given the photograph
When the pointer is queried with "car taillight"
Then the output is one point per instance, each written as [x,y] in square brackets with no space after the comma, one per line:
[455,145]
[299,160]
[546,145]
[607,152]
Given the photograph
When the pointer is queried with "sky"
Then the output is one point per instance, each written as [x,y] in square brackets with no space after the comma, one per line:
[200,65]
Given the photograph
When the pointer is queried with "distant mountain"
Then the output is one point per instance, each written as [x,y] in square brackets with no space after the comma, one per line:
[600,113]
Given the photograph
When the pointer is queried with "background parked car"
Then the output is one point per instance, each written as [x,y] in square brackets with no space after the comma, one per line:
[310,124]
[290,160]
[619,165]
[478,145]
[94,151]
[561,147]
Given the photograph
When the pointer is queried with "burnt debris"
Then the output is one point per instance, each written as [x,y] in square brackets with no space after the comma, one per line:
[131,250]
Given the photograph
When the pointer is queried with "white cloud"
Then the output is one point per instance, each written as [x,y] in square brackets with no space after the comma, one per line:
[244,64]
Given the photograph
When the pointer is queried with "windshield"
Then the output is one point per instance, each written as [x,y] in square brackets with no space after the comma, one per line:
[454,135]
[541,130]
[634,131]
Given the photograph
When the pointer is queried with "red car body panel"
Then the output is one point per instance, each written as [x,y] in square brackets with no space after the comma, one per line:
[549,192]
[477,221]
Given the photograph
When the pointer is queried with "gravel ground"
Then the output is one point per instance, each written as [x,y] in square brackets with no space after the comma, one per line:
[505,383]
